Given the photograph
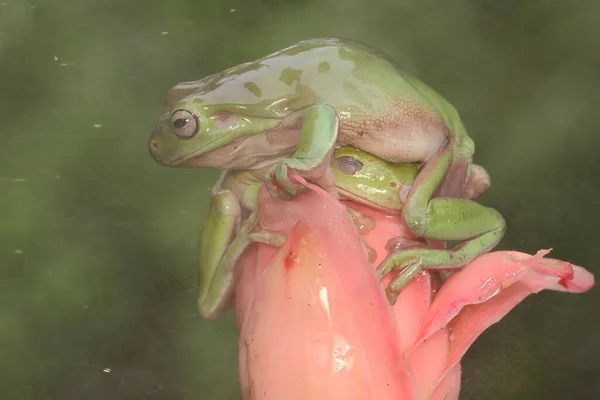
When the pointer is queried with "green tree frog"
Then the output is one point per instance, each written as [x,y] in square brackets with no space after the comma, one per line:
[289,110]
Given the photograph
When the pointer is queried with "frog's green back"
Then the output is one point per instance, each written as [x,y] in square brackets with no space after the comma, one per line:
[360,82]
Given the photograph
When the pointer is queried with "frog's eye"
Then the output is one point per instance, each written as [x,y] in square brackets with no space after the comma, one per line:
[224,119]
[348,165]
[184,123]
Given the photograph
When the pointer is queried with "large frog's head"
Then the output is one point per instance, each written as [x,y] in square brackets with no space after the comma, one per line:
[199,130]
[369,180]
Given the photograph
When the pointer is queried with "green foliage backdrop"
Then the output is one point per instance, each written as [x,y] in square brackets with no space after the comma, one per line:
[97,243]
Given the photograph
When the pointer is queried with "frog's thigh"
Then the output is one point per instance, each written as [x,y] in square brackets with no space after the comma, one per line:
[459,219]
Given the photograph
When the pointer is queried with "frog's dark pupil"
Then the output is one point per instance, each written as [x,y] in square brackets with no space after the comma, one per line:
[180,123]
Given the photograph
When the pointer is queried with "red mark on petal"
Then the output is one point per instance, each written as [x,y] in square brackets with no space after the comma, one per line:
[290,260]
[566,277]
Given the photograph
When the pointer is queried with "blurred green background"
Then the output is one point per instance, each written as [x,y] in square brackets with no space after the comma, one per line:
[98,243]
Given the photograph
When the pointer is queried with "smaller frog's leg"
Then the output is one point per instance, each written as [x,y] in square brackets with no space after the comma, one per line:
[220,248]
[318,134]
[449,219]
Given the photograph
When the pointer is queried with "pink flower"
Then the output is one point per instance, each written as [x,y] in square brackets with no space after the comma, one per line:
[315,324]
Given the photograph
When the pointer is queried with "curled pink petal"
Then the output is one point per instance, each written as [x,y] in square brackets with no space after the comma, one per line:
[480,295]
[490,274]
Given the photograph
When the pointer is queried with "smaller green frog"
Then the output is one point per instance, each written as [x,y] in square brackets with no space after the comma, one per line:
[369,180]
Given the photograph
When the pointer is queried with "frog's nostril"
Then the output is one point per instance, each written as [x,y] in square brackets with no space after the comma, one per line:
[154,147]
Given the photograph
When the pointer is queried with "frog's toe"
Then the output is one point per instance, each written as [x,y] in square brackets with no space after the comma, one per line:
[278,191]
[401,243]
[280,185]
[275,239]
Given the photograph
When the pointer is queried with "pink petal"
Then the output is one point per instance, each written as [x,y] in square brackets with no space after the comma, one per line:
[428,362]
[449,387]
[319,325]
[482,293]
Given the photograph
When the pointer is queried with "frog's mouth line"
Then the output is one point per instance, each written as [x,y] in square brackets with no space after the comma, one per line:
[202,150]
[345,195]
[222,144]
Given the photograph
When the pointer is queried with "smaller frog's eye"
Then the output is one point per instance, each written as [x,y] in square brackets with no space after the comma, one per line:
[184,124]
[224,119]
[348,165]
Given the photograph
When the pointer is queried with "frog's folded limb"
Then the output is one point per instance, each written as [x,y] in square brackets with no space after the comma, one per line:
[312,159]
[220,249]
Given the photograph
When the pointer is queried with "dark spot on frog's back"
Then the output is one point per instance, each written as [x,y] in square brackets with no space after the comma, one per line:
[253,88]
[290,75]
[324,67]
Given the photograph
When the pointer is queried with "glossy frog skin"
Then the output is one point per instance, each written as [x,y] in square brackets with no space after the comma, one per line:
[288,111]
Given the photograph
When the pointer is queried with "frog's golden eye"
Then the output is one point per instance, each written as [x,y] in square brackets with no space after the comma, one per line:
[184,123]
[348,165]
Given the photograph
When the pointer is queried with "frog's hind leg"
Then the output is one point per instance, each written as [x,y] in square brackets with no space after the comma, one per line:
[222,244]
[449,219]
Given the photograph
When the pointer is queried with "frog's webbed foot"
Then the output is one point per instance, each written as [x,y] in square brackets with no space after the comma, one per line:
[318,133]
[276,239]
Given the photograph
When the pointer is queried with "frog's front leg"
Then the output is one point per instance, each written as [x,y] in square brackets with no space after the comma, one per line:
[447,219]
[221,245]
[318,126]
